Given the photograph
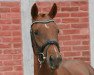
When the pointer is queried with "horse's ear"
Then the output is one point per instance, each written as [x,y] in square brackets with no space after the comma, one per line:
[34,11]
[53,11]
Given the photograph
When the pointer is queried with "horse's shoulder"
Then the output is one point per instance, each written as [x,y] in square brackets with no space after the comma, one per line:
[68,62]
[74,63]
[76,66]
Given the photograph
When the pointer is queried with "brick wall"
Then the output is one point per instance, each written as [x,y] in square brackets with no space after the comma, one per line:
[10,39]
[72,20]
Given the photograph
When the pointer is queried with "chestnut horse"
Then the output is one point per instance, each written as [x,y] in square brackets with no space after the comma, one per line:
[47,58]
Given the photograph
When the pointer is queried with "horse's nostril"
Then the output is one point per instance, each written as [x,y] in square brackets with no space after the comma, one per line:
[55,61]
[52,61]
[59,59]
[51,58]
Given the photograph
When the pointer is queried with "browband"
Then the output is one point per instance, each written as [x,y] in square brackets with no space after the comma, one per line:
[44,21]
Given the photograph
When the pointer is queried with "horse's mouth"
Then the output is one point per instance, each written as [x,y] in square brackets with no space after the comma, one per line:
[54,64]
[53,67]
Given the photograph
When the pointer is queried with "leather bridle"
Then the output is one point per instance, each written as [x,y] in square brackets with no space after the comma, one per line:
[40,49]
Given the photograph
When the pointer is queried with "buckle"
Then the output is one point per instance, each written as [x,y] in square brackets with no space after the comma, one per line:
[41,58]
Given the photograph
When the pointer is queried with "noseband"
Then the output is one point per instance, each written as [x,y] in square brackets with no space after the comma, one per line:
[40,49]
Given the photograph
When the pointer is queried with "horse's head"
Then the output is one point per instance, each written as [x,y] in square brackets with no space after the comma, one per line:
[44,34]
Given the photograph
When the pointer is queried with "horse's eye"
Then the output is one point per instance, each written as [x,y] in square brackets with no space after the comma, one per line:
[36,32]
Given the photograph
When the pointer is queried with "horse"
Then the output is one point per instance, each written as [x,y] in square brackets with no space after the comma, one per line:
[47,57]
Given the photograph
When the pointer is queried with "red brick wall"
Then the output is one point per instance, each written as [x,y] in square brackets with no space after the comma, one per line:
[72,20]
[10,39]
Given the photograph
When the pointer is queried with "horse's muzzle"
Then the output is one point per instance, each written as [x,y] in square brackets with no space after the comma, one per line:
[55,61]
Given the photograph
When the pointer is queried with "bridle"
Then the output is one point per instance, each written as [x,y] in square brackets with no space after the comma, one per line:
[40,49]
